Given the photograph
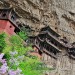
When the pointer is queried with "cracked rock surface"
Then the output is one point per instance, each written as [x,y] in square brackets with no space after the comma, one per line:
[58,14]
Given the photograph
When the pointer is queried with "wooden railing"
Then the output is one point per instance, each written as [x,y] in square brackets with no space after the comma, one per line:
[40,39]
[55,38]
[53,45]
[50,53]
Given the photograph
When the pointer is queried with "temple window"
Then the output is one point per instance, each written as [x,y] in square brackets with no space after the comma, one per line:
[12,18]
[10,26]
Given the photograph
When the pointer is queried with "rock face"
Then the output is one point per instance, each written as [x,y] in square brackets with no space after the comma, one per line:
[59,15]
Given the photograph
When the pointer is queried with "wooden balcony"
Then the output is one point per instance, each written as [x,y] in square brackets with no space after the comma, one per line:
[53,37]
[50,53]
[40,39]
[47,51]
[49,44]
[34,44]
[56,39]
[52,45]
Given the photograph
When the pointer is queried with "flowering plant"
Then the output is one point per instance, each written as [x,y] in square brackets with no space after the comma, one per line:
[4,69]
[15,60]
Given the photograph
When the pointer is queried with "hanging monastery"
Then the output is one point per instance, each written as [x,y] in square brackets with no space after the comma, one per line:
[54,51]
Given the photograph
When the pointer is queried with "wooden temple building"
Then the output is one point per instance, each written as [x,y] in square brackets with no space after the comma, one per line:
[8,21]
[47,46]
[50,47]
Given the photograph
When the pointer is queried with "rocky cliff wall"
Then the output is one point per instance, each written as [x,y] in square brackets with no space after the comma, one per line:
[59,15]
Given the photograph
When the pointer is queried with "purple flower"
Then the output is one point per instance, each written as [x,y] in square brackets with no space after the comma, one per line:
[3,61]
[17,72]
[11,72]
[4,68]
[1,56]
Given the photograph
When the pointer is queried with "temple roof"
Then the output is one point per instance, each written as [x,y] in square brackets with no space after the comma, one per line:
[47,28]
[10,9]
[7,13]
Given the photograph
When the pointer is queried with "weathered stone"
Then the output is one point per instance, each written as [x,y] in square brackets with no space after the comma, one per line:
[59,15]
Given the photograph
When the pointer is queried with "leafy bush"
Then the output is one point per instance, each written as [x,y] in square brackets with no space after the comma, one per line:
[23,35]
[29,65]
[17,44]
[2,41]
[17,56]
[4,69]
[32,66]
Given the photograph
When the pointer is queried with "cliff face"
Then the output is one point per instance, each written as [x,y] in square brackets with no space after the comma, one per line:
[58,14]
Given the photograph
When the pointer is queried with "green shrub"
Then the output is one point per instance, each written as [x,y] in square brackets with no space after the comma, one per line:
[2,41]
[17,44]
[23,35]
[30,65]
